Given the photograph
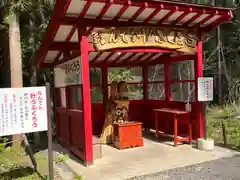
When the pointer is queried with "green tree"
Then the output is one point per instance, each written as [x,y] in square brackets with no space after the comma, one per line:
[25,14]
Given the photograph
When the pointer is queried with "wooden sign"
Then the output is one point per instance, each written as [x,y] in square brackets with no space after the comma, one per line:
[159,37]
[68,73]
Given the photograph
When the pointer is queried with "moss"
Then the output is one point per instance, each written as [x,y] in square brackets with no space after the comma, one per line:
[61,158]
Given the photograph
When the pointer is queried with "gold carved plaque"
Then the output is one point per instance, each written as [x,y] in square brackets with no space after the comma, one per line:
[159,37]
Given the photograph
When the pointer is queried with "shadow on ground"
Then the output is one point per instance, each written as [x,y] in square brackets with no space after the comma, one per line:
[168,140]
[20,172]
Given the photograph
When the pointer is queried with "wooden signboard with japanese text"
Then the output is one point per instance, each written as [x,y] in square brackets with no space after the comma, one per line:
[68,73]
[177,39]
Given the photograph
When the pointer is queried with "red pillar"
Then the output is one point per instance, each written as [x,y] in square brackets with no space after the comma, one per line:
[87,113]
[198,66]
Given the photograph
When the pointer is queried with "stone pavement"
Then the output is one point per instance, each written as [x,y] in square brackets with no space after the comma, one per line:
[220,169]
[154,157]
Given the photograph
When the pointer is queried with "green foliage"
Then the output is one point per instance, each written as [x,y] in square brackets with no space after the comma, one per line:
[78,178]
[33,17]
[13,165]
[228,114]
[61,158]
[129,75]
[119,74]
[214,131]
[3,142]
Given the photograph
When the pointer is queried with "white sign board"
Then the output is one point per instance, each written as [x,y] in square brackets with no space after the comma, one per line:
[205,89]
[68,73]
[23,110]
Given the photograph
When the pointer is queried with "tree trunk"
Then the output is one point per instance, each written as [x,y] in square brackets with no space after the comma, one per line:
[15,61]
[224,132]
[16,76]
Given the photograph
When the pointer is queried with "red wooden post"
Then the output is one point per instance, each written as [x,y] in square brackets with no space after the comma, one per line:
[198,65]
[87,114]
[145,82]
[175,130]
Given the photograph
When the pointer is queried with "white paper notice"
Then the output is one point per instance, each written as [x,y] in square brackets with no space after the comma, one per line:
[205,89]
[23,110]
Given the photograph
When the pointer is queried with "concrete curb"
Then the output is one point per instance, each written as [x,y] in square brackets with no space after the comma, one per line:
[73,171]
[64,171]
[62,168]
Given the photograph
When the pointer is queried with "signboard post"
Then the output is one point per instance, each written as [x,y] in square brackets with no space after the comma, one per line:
[26,110]
[49,117]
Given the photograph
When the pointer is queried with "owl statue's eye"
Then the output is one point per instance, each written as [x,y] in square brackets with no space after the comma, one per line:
[118,112]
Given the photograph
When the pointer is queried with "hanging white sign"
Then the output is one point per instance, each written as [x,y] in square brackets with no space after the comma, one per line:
[68,73]
[23,110]
[205,89]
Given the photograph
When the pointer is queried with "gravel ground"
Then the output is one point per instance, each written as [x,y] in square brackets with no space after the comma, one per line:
[221,169]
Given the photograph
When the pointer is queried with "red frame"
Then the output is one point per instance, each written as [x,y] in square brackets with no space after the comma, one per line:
[171,82]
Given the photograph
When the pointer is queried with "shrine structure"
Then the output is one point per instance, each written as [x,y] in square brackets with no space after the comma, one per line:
[87,34]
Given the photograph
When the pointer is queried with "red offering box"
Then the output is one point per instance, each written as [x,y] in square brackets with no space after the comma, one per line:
[127,135]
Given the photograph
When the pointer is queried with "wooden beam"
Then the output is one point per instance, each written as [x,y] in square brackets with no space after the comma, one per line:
[139,11]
